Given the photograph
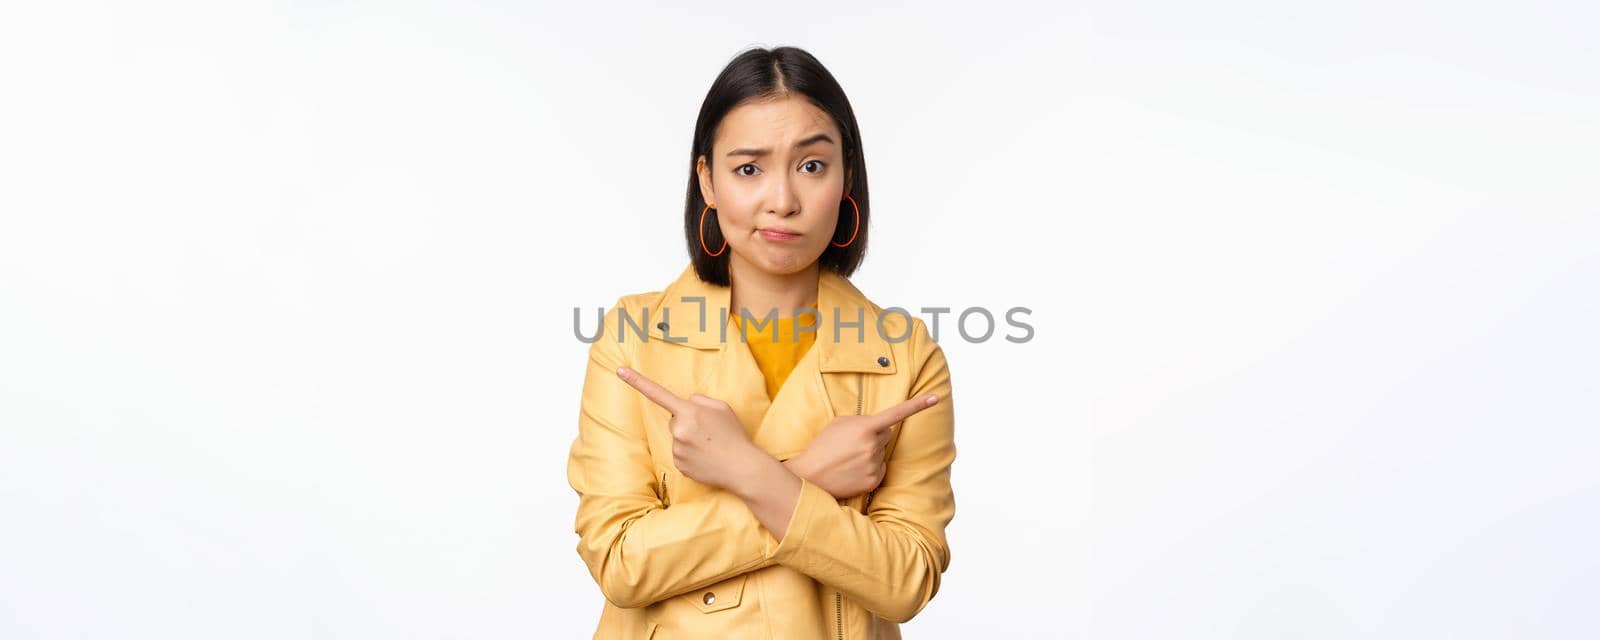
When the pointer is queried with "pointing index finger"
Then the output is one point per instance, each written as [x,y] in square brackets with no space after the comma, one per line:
[904,410]
[655,392]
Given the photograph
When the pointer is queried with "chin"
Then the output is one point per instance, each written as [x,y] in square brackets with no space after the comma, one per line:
[787,262]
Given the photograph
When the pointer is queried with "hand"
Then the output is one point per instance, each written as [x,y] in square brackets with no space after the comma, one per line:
[846,457]
[709,444]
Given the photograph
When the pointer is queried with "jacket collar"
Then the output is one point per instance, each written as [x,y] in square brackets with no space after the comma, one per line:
[694,313]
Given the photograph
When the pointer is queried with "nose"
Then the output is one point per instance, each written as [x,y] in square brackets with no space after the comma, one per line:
[784,202]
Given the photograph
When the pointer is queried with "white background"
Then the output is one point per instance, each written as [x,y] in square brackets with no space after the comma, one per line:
[286,297]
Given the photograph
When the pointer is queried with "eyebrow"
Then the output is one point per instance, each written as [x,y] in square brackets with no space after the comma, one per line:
[820,137]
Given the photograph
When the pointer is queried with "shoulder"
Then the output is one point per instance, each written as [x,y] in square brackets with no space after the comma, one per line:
[629,314]
[907,334]
[636,302]
[920,345]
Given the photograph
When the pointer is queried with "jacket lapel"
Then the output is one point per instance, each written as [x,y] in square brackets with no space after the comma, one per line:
[825,383]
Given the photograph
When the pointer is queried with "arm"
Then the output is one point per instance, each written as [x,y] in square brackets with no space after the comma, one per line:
[638,551]
[891,558]
[800,466]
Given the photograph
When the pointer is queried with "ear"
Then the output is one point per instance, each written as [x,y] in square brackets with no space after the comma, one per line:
[849,176]
[704,171]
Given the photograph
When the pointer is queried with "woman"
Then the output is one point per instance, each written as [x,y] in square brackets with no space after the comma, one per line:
[762,451]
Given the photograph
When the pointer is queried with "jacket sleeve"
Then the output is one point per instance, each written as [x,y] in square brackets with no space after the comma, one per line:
[889,559]
[637,549]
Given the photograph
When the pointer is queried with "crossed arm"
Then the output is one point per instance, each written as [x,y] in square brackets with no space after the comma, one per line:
[889,559]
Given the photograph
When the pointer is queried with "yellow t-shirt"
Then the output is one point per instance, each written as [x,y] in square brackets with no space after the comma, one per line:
[776,358]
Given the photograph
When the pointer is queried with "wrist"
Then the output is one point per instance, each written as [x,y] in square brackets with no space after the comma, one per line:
[763,472]
[800,465]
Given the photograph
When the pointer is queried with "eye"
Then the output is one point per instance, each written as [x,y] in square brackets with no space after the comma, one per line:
[740,169]
[820,164]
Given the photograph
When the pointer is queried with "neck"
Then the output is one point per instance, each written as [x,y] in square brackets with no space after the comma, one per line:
[762,293]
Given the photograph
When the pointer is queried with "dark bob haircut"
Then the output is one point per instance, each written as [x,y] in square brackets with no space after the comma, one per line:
[767,74]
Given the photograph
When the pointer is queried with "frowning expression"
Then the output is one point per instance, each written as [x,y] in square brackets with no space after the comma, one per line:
[775,177]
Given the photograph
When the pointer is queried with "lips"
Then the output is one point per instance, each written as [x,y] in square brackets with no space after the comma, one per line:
[774,233]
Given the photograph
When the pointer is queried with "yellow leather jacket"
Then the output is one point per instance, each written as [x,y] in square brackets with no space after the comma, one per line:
[678,559]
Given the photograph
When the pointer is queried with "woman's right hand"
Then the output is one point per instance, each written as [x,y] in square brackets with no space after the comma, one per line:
[846,457]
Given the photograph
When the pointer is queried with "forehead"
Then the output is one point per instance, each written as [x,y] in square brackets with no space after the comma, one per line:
[775,121]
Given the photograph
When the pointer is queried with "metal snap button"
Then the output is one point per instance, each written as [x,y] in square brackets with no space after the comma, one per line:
[661,325]
[883,361]
[710,597]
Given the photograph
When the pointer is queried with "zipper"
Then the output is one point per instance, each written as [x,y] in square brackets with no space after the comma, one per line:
[838,597]
[666,498]
[860,389]
[860,397]
[838,612]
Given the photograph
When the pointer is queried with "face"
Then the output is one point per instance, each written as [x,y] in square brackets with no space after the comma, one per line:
[775,177]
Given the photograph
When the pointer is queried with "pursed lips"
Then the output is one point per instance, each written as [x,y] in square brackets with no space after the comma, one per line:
[777,233]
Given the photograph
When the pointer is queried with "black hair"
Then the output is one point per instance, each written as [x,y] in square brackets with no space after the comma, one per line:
[763,74]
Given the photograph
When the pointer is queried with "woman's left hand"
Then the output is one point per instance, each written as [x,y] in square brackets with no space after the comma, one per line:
[709,444]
